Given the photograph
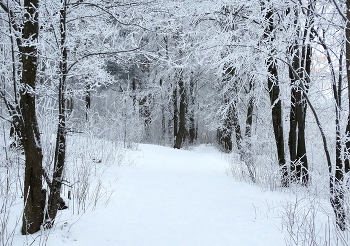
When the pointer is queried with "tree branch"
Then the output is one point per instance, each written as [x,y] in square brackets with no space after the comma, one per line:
[12,23]
[323,136]
[109,13]
[340,12]
[47,179]
[100,54]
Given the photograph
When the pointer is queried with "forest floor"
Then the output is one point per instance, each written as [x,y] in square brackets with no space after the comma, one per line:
[159,196]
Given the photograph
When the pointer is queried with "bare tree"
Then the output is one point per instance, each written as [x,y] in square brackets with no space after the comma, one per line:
[54,202]
[274,92]
[301,53]
[26,120]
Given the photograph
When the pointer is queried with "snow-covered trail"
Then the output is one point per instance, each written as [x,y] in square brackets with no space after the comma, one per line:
[166,197]
[181,198]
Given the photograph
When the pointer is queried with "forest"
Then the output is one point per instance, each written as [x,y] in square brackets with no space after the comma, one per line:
[267,82]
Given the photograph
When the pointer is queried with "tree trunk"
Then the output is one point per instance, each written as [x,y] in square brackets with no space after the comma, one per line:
[299,73]
[297,148]
[163,115]
[33,213]
[292,141]
[192,128]
[302,168]
[336,182]
[87,101]
[276,109]
[176,111]
[347,56]
[181,133]
[230,118]
[306,64]
[224,133]
[54,202]
[276,112]
[145,113]
[192,125]
[247,151]
[236,126]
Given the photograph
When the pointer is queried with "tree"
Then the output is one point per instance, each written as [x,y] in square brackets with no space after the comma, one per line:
[274,93]
[33,193]
[230,118]
[301,64]
[25,33]
[181,131]
[25,120]
[60,150]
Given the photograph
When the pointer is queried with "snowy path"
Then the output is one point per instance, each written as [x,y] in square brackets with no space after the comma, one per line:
[171,197]
[183,198]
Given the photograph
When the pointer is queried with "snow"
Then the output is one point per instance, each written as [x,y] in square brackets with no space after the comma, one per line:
[168,197]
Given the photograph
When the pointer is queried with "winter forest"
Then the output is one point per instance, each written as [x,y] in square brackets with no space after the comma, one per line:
[90,88]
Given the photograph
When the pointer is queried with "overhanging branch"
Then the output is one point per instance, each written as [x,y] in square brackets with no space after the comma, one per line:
[100,54]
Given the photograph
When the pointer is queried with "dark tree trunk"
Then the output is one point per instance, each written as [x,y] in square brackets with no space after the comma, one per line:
[299,73]
[292,142]
[54,202]
[192,125]
[236,126]
[347,146]
[297,147]
[87,101]
[306,64]
[347,57]
[192,128]
[224,133]
[247,151]
[276,110]
[302,168]
[230,118]
[337,91]
[145,113]
[336,182]
[181,133]
[175,111]
[295,98]
[163,115]
[33,213]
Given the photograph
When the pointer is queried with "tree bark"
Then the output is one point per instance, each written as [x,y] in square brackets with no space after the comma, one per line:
[299,73]
[247,151]
[347,57]
[336,182]
[192,126]
[276,105]
[164,136]
[224,133]
[54,202]
[175,111]
[230,118]
[182,132]
[33,213]
[234,122]
[87,101]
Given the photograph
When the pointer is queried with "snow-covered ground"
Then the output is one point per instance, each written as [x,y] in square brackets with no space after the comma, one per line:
[161,196]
